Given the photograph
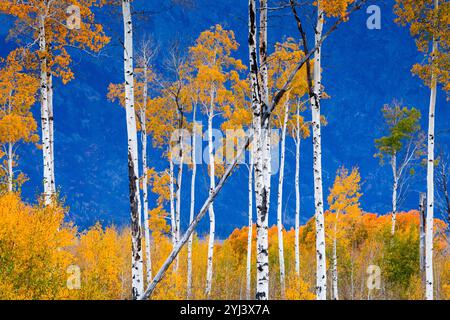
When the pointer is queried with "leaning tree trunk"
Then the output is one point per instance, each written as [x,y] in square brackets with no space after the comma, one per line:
[46,149]
[335,271]
[394,192]
[429,294]
[137,277]
[192,208]
[297,194]
[321,269]
[280,203]
[51,132]
[250,228]
[165,266]
[148,252]
[212,186]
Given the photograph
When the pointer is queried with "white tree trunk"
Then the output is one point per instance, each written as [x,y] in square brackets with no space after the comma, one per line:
[394,192]
[46,151]
[429,233]
[10,167]
[173,223]
[179,183]
[321,270]
[137,276]
[51,132]
[297,194]
[335,271]
[148,251]
[250,228]
[422,209]
[280,203]
[212,219]
[192,208]
[262,178]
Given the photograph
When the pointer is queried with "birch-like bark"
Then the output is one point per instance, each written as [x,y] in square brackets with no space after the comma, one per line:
[143,118]
[280,203]
[422,209]
[260,124]
[137,276]
[394,192]
[250,228]
[297,193]
[264,91]
[429,233]
[44,113]
[51,133]
[212,186]
[335,270]
[10,167]
[173,223]
[315,96]
[262,282]
[179,184]
[321,269]
[192,208]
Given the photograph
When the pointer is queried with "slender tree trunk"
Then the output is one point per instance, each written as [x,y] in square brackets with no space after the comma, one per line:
[250,227]
[145,188]
[422,209]
[51,132]
[173,223]
[280,204]
[394,192]
[212,186]
[179,184]
[10,167]
[352,281]
[137,276]
[46,151]
[321,272]
[335,271]
[192,208]
[429,233]
[143,117]
[297,195]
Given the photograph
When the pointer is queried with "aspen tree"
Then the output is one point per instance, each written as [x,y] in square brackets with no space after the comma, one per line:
[44,22]
[239,118]
[282,62]
[428,22]
[212,62]
[298,129]
[344,194]
[137,286]
[332,8]
[262,288]
[18,93]
[143,76]
[403,145]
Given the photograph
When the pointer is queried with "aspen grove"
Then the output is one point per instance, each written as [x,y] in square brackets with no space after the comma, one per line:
[228,125]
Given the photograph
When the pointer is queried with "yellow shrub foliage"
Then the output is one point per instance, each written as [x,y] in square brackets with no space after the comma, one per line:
[37,250]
